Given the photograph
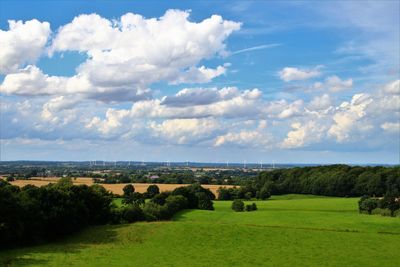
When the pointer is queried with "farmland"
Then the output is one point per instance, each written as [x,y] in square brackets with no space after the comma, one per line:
[114,188]
[289,230]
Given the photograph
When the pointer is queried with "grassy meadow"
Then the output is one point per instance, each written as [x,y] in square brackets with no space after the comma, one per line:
[290,230]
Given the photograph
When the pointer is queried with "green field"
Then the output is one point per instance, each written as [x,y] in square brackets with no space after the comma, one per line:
[289,230]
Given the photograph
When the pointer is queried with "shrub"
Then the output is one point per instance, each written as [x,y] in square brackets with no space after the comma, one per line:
[367,204]
[155,212]
[176,203]
[238,205]
[396,213]
[160,198]
[251,207]
[132,213]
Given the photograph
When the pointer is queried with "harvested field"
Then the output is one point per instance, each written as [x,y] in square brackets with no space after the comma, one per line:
[115,188]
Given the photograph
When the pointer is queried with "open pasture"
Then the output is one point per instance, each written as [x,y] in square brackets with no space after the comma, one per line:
[291,230]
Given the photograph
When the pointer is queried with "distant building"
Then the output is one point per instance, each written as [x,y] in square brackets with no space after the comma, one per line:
[154,177]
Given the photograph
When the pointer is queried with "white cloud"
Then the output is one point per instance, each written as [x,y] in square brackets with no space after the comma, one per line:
[322,102]
[245,138]
[347,116]
[391,126]
[200,96]
[125,56]
[139,51]
[335,84]
[184,131]
[22,43]
[303,134]
[226,102]
[392,87]
[294,74]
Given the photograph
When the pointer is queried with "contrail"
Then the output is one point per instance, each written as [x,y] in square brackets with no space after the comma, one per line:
[259,47]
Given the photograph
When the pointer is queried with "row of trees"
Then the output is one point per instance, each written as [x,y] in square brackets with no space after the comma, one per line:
[244,192]
[164,205]
[333,180]
[33,214]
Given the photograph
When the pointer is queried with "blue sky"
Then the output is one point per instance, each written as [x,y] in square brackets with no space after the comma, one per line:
[290,81]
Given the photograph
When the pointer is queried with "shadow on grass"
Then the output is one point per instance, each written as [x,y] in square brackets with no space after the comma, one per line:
[27,256]
[181,215]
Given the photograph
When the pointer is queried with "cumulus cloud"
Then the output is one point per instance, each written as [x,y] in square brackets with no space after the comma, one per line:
[245,138]
[226,102]
[347,116]
[184,131]
[23,43]
[334,84]
[392,87]
[320,102]
[138,51]
[124,56]
[199,96]
[295,74]
[303,134]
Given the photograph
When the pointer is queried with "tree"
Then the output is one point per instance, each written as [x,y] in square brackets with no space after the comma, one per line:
[152,190]
[128,189]
[204,202]
[264,192]
[391,202]
[368,205]
[160,198]
[238,205]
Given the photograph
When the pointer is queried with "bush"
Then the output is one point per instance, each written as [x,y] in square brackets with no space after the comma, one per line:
[160,198]
[176,203]
[368,204]
[238,205]
[396,213]
[132,213]
[155,212]
[251,207]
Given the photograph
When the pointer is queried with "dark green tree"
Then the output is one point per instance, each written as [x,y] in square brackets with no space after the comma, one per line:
[238,205]
[152,190]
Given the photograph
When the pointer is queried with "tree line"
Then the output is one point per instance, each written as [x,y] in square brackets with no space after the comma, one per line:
[31,214]
[333,180]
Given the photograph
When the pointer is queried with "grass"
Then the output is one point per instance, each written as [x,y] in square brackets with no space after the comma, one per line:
[289,230]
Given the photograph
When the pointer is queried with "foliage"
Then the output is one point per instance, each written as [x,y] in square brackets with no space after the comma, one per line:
[238,205]
[197,196]
[386,206]
[152,190]
[333,180]
[32,214]
[251,207]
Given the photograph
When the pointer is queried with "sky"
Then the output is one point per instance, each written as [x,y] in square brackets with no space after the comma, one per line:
[201,81]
